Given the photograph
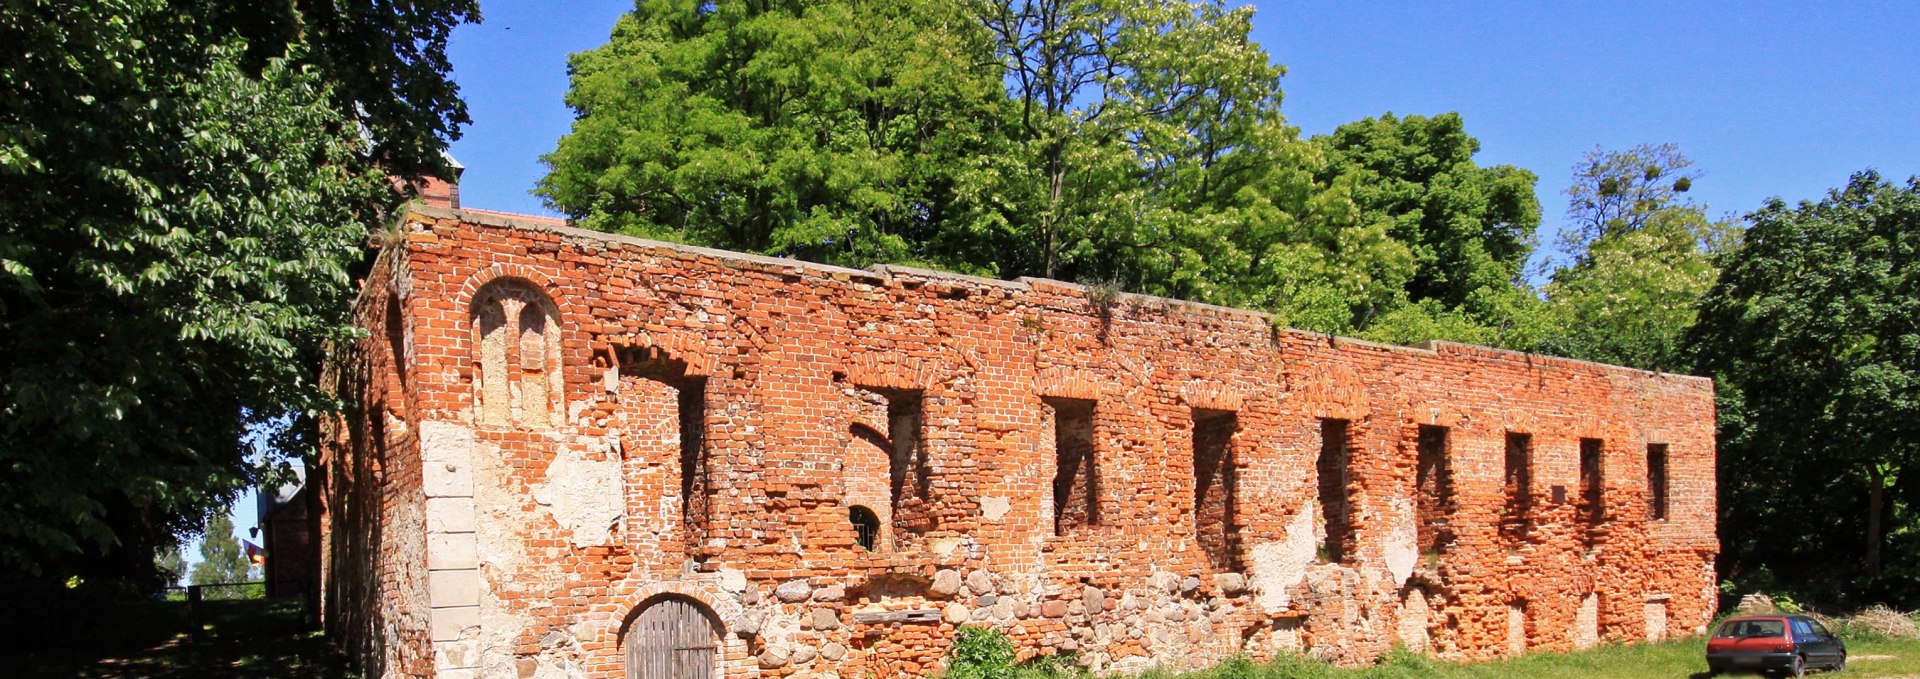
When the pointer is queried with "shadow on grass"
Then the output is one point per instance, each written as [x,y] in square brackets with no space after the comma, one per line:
[259,638]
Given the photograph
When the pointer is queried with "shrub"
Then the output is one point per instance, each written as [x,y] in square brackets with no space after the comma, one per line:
[980,653]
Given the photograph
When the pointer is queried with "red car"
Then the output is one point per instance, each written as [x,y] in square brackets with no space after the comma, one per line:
[1785,644]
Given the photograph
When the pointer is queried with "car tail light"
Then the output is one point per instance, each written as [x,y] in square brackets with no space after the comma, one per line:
[1782,648]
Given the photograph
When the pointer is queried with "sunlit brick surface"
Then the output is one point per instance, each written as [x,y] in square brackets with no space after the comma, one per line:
[636,420]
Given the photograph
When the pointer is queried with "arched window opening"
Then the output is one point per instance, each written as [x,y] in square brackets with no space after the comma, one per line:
[517,357]
[866,527]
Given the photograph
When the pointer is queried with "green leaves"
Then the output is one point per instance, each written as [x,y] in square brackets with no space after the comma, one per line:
[188,189]
[1812,331]
[1139,142]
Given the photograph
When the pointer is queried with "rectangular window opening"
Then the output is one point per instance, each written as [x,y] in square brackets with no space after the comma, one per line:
[692,407]
[1517,481]
[1433,486]
[1076,492]
[909,479]
[1213,481]
[1657,481]
[1593,506]
[1332,471]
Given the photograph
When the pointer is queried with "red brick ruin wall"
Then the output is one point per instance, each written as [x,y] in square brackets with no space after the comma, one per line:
[606,424]
[372,506]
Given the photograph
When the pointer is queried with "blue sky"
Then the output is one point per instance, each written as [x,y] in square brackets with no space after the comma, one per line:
[1767,98]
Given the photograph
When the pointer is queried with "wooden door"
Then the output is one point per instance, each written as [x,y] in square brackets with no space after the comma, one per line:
[674,638]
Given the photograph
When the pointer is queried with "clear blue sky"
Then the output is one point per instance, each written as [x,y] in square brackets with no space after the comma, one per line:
[1767,98]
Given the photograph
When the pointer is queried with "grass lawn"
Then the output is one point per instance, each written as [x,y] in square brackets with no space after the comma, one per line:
[1669,660]
[257,638]
[269,638]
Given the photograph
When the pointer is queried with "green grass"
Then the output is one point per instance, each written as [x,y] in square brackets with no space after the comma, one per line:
[270,638]
[241,638]
[1669,660]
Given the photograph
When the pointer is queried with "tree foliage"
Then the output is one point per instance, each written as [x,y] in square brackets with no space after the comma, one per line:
[1642,259]
[1813,336]
[221,559]
[1136,142]
[1470,228]
[186,188]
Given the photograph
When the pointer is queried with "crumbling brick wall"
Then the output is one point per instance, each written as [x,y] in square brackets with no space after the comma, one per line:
[697,425]
[368,479]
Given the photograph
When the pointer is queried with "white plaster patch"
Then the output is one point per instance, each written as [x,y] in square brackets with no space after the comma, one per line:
[1516,629]
[1586,623]
[445,442]
[450,515]
[583,495]
[1415,613]
[1402,544]
[994,508]
[1278,566]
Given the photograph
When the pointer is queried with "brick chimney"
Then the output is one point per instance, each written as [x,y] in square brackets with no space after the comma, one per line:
[439,192]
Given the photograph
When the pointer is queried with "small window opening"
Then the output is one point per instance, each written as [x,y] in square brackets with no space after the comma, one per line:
[866,527]
[1518,481]
[1657,481]
[1076,496]
[1592,499]
[1213,481]
[909,479]
[660,387]
[692,403]
[1332,472]
[1433,484]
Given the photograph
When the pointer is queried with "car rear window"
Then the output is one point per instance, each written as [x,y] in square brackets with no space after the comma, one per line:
[1736,629]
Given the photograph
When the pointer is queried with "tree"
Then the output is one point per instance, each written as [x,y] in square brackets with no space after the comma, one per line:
[1620,191]
[1150,151]
[1812,334]
[832,131]
[1642,258]
[221,559]
[1137,143]
[171,565]
[188,187]
[1470,228]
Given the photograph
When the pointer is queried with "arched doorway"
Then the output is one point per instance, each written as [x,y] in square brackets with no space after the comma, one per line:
[673,638]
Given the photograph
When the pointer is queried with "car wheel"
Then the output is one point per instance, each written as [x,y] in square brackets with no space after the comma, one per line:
[1841,664]
[1799,667]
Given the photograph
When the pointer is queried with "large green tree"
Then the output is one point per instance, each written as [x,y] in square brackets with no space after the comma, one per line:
[1470,228]
[187,187]
[221,559]
[832,131]
[1813,335]
[1137,143]
[1642,256]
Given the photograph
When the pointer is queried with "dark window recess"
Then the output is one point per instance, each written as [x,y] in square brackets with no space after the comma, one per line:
[1593,506]
[1076,479]
[1213,481]
[1335,500]
[689,409]
[909,478]
[1657,481]
[1517,481]
[866,526]
[1433,489]
[693,429]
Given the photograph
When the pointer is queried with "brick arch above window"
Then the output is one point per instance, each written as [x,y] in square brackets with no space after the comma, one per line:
[516,354]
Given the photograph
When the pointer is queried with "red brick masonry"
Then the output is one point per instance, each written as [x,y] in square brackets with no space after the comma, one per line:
[551,431]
